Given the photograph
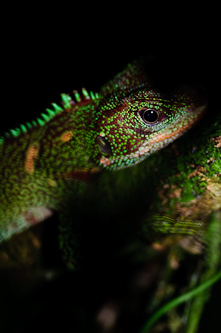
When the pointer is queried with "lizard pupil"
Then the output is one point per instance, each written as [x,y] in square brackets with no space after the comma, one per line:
[149,116]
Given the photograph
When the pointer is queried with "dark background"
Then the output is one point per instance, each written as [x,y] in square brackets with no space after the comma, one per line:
[45,52]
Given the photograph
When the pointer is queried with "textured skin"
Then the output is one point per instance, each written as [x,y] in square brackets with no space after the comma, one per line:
[46,165]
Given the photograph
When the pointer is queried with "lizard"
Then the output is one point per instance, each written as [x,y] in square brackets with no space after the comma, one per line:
[46,165]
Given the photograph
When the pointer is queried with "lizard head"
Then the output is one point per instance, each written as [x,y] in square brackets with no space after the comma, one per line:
[130,125]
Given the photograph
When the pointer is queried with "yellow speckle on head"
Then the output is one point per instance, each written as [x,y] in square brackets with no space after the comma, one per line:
[66,136]
[31,155]
[52,182]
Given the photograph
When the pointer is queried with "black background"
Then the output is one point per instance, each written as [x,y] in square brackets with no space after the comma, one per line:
[45,52]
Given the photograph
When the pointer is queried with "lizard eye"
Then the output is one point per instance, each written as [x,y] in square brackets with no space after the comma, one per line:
[149,116]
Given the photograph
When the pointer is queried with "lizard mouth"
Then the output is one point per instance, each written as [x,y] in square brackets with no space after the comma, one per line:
[176,129]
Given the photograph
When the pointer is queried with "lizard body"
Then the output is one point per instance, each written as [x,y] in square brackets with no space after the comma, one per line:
[46,165]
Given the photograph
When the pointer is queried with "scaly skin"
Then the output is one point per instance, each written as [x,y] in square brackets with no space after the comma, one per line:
[46,165]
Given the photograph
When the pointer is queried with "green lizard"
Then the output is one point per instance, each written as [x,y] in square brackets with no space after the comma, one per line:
[46,165]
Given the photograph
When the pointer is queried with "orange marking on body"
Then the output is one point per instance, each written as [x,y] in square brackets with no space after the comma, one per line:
[66,136]
[31,155]
[52,182]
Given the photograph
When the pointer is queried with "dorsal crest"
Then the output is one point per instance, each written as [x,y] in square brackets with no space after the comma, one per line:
[67,102]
